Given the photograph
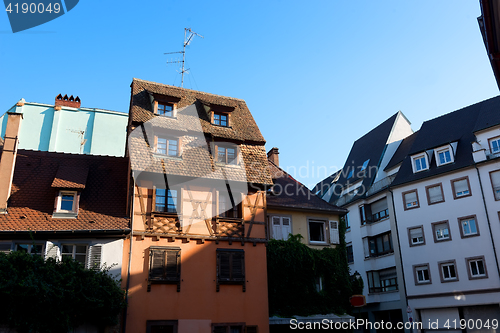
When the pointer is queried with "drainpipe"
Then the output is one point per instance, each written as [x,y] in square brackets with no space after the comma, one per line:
[487,218]
[399,246]
[129,255]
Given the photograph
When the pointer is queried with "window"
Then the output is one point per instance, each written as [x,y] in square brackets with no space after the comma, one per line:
[165,200]
[227,207]
[166,146]
[382,281]
[380,244]
[350,254]
[434,194]
[444,156]
[495,183]
[165,109]
[468,226]
[5,247]
[416,236]
[419,162]
[226,155]
[66,202]
[476,268]
[422,274]
[317,231]
[347,221]
[31,248]
[334,232]
[441,231]
[164,265]
[461,187]
[374,212]
[75,251]
[220,119]
[161,326]
[230,267]
[281,227]
[495,145]
[229,328]
[410,199]
[448,271]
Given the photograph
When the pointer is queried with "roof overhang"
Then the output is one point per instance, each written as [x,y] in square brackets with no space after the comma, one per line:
[489,24]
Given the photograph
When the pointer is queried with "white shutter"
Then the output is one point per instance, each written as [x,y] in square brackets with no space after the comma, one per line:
[495,181]
[277,233]
[334,232]
[52,251]
[94,260]
[366,247]
[286,227]
[435,194]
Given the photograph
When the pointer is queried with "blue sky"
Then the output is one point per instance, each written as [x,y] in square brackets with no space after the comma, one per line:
[316,75]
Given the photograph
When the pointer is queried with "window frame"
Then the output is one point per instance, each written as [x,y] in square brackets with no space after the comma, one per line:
[315,220]
[429,197]
[469,217]
[492,185]
[453,181]
[235,161]
[442,264]
[75,196]
[73,252]
[439,150]
[238,280]
[220,114]
[416,157]
[380,288]
[235,209]
[157,109]
[434,225]
[350,255]
[490,140]
[469,268]
[167,145]
[384,252]
[410,242]
[167,191]
[415,274]
[30,247]
[404,199]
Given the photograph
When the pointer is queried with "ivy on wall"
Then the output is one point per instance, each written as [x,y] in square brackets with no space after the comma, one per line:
[293,273]
[41,296]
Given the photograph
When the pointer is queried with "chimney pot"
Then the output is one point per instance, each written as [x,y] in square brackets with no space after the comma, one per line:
[71,101]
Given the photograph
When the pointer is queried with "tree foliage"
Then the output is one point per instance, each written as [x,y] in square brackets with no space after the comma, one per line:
[293,268]
[51,296]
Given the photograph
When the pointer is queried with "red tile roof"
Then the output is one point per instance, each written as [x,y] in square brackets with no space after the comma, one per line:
[102,202]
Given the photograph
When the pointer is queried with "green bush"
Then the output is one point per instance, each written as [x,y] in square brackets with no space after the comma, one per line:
[50,296]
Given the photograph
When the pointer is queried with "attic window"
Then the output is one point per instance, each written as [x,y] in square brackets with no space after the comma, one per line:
[165,109]
[420,162]
[350,174]
[444,155]
[66,205]
[365,164]
[221,119]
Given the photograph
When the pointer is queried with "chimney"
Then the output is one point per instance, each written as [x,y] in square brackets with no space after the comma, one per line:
[272,155]
[67,101]
[8,158]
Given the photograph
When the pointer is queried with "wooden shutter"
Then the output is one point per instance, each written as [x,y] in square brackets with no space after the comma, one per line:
[156,264]
[172,270]
[238,266]
[94,260]
[286,228]
[230,267]
[224,266]
[52,251]
[334,232]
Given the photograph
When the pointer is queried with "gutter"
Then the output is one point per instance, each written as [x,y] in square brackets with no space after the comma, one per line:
[488,219]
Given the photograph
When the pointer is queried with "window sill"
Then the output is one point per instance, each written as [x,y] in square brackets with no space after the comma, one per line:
[167,157]
[64,215]
[450,280]
[231,165]
[372,223]
[317,243]
[423,283]
[230,127]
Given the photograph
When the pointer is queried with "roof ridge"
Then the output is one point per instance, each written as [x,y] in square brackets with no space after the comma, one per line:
[196,91]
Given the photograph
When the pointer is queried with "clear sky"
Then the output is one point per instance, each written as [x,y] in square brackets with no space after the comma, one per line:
[316,75]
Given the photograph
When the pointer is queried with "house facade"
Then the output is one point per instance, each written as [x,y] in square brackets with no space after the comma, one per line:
[66,127]
[446,202]
[199,172]
[362,187]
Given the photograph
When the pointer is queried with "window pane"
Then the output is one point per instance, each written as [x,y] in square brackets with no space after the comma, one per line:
[161,146]
[222,154]
[172,201]
[435,194]
[231,155]
[461,187]
[172,147]
[473,267]
[316,231]
[216,119]
[67,202]
[480,267]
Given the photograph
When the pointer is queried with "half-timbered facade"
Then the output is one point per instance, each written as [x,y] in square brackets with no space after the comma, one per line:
[197,258]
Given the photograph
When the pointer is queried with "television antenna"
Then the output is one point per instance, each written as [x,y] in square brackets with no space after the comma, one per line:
[188,37]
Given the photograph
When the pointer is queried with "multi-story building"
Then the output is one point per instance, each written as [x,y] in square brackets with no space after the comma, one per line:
[371,237]
[66,127]
[197,258]
[446,196]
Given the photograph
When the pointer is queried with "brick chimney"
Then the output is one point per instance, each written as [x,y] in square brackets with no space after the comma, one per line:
[8,159]
[68,101]
[272,155]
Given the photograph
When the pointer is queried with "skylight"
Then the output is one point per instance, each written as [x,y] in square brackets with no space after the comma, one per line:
[365,164]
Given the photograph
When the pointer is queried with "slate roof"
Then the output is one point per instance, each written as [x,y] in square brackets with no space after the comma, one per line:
[102,202]
[196,133]
[370,146]
[291,194]
[401,152]
[456,126]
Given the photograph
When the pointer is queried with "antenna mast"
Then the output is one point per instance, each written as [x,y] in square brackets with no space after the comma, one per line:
[187,39]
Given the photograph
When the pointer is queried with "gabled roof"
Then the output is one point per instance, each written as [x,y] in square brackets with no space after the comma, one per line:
[289,193]
[457,126]
[198,135]
[370,147]
[102,202]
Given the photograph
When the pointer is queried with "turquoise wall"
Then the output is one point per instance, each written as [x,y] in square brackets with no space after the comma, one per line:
[70,130]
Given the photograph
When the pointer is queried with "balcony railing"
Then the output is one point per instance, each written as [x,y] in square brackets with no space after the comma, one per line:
[380,185]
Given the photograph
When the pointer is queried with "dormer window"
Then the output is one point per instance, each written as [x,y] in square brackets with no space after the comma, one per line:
[165,146]
[226,155]
[66,205]
[420,162]
[165,109]
[444,155]
[221,119]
